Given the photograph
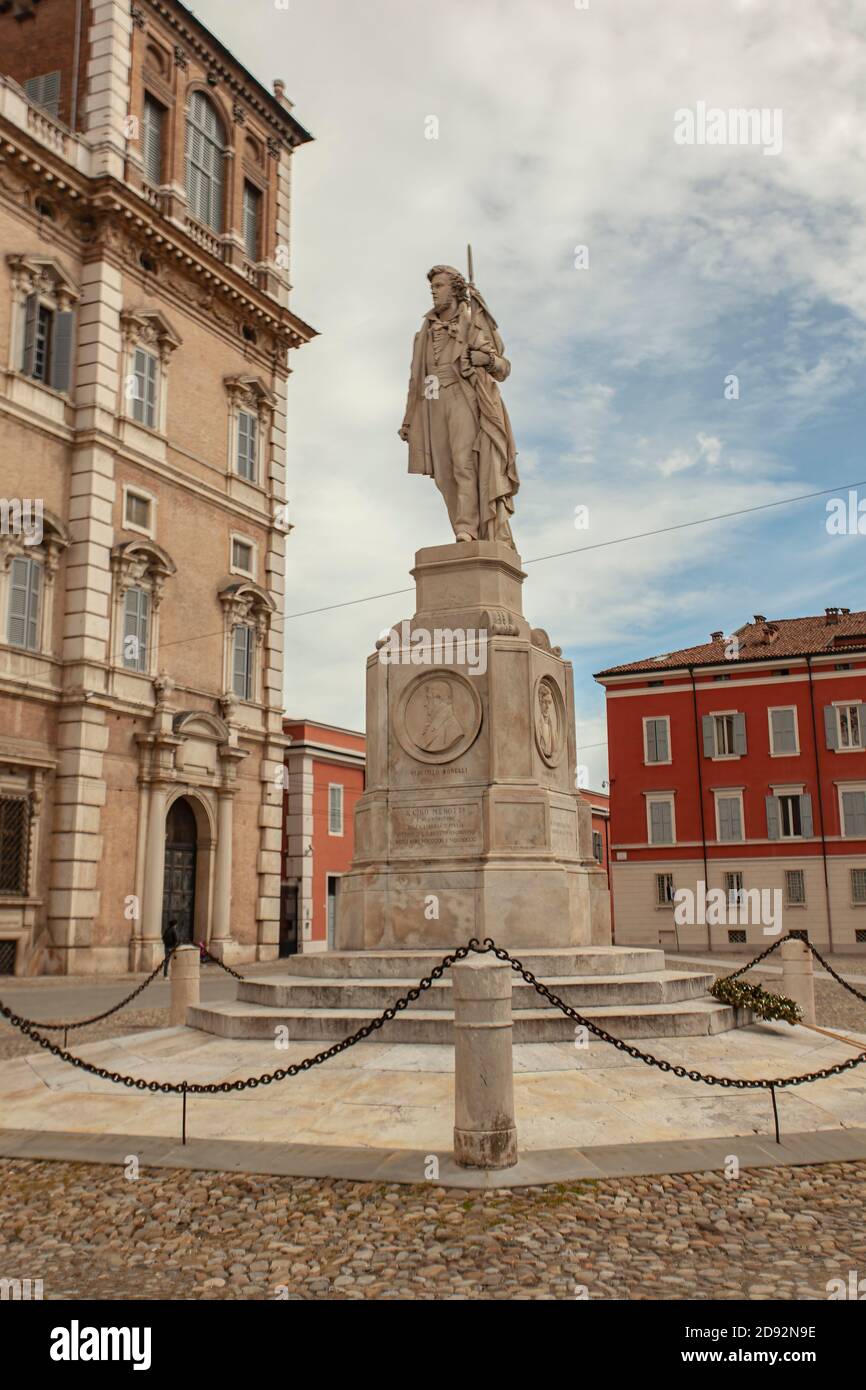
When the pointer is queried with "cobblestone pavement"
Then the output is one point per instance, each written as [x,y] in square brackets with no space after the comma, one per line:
[88,1232]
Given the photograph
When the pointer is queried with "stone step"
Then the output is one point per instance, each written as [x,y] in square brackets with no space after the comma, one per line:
[239,1019]
[545,962]
[374,995]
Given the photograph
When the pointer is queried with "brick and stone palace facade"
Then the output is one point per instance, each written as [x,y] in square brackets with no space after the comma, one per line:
[144,338]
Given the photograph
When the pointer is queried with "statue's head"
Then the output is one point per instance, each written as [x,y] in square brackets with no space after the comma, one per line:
[446,284]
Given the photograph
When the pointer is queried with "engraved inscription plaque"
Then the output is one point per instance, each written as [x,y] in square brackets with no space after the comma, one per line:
[421,830]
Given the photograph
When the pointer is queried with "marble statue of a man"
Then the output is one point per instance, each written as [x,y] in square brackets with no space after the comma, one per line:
[456,424]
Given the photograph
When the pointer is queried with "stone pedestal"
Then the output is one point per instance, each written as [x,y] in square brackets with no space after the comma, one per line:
[485,1134]
[798,976]
[470,824]
[185,976]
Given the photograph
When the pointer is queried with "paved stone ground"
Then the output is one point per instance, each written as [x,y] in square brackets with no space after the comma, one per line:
[16,1044]
[89,1233]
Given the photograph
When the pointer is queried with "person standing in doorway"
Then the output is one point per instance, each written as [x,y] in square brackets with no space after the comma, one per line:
[169,941]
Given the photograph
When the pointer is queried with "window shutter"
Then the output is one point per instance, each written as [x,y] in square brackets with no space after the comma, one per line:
[660,823]
[709,736]
[854,812]
[152,144]
[150,410]
[61,352]
[725,818]
[33,606]
[773,831]
[243,440]
[831,726]
[19,589]
[806,814]
[740,733]
[662,753]
[45,92]
[861,724]
[28,362]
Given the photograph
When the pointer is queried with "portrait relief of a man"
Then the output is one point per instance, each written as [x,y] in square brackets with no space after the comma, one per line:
[456,424]
[442,728]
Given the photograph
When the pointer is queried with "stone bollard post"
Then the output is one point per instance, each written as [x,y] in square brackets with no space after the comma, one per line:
[485,1134]
[185,975]
[798,976]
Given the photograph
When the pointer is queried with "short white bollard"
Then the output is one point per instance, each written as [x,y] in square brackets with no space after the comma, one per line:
[485,1134]
[798,976]
[185,976]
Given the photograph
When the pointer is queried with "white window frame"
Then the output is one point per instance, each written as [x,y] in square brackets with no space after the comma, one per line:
[774,709]
[838,706]
[722,714]
[332,787]
[254,552]
[146,331]
[787,794]
[794,902]
[841,788]
[144,496]
[856,868]
[656,719]
[729,794]
[733,896]
[669,902]
[669,798]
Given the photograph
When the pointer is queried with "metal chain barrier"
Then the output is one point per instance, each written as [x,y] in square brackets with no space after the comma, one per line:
[222,965]
[82,1022]
[708,1078]
[224,1087]
[479,948]
[815,952]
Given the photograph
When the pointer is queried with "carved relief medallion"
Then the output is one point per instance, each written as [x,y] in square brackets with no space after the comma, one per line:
[438,716]
[549,721]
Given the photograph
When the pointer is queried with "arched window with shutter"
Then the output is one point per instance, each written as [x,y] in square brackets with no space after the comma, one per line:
[205,154]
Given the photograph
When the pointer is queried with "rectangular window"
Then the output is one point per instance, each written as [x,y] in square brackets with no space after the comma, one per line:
[247,445]
[144,401]
[850,728]
[44,91]
[656,741]
[854,815]
[335,809]
[25,592]
[242,556]
[730,824]
[137,511]
[790,822]
[783,729]
[724,735]
[252,220]
[661,822]
[664,889]
[734,889]
[136,619]
[14,843]
[151,139]
[243,647]
[858,885]
[795,887]
[48,343]
[598,846]
[737,937]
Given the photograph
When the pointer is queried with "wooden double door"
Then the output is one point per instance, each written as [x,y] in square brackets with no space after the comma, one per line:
[181,850]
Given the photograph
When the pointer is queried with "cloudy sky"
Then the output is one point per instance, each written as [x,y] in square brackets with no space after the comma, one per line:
[556,131]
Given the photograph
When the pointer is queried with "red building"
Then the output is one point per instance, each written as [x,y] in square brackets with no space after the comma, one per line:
[740,765]
[324,768]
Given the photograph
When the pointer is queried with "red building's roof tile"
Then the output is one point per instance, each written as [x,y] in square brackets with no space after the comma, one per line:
[767,640]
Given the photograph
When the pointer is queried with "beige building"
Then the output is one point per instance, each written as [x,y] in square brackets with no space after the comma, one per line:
[144,338]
